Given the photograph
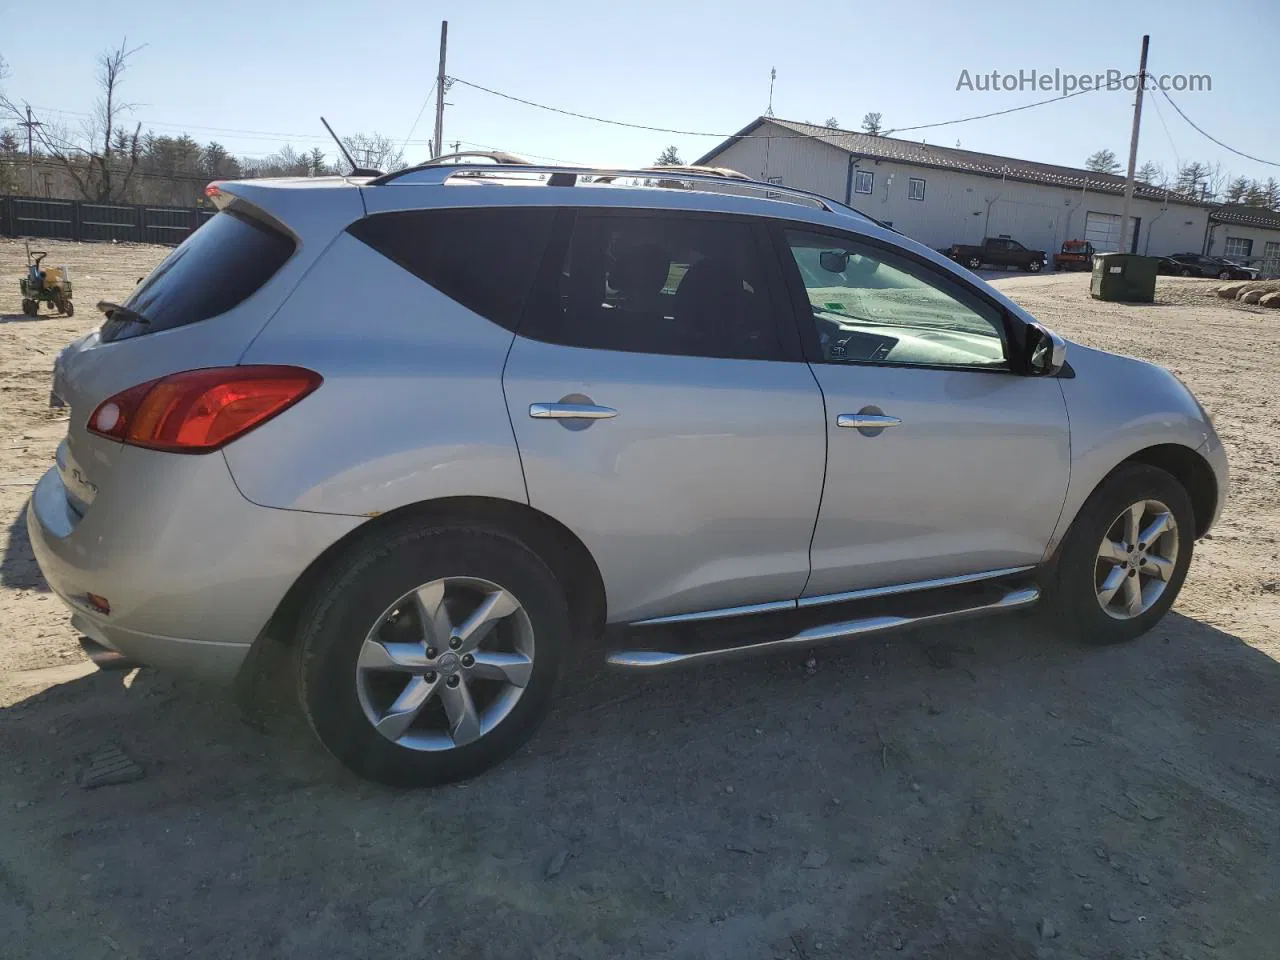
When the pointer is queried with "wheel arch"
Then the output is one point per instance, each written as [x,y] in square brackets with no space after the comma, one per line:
[1189,469]
[566,555]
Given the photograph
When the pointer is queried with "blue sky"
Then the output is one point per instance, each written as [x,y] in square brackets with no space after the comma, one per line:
[266,67]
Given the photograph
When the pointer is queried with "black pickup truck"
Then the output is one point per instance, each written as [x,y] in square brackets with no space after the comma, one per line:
[998,252]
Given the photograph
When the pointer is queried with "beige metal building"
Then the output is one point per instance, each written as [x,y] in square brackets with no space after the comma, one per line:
[943,195]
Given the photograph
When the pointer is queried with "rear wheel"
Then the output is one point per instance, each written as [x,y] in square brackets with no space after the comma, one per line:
[1225,275]
[69,308]
[1034,266]
[974,263]
[1184,272]
[30,307]
[1125,558]
[432,656]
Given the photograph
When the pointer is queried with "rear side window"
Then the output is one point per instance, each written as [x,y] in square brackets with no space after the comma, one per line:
[661,284]
[484,258]
[221,265]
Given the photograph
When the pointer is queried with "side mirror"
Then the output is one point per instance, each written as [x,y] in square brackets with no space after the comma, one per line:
[1046,351]
[833,261]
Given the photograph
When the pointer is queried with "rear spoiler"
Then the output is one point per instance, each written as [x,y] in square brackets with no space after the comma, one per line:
[310,208]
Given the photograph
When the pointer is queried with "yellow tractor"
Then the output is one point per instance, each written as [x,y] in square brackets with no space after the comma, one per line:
[51,285]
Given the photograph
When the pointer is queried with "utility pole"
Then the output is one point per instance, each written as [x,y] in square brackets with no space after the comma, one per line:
[31,157]
[1127,241]
[457,145]
[437,142]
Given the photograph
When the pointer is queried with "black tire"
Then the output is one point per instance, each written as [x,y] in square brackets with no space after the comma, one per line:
[1034,266]
[1225,275]
[974,263]
[69,309]
[1184,272]
[1070,604]
[349,601]
[30,307]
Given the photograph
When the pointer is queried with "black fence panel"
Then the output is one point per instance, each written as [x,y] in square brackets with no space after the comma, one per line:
[54,219]
[168,224]
[108,221]
[98,222]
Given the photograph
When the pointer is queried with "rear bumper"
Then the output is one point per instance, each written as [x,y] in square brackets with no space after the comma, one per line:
[192,571]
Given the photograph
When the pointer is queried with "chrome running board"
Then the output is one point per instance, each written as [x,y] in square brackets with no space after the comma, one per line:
[658,660]
[865,593]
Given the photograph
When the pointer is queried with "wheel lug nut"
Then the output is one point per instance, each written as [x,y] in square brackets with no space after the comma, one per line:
[430,677]
[468,660]
[452,681]
[454,643]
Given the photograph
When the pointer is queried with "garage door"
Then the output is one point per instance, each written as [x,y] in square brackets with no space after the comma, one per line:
[1103,230]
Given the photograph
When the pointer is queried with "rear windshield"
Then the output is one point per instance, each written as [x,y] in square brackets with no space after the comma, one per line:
[223,263]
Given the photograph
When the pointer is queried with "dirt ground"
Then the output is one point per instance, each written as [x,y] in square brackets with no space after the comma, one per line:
[975,792]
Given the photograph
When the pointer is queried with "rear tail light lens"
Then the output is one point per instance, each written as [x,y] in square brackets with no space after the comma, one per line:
[201,410]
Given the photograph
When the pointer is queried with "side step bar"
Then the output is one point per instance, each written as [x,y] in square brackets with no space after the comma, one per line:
[660,660]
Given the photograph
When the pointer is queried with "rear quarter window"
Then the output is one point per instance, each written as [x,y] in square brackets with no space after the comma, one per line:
[484,258]
[222,264]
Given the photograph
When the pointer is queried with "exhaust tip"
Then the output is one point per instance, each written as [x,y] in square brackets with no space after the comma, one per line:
[104,658]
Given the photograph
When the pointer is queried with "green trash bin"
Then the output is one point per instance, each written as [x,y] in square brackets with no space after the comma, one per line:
[1124,276]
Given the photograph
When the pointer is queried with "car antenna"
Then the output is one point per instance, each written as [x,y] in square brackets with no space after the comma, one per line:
[355,170]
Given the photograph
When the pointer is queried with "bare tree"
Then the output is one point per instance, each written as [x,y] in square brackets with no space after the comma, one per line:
[100,160]
[872,124]
[376,151]
[1152,173]
[833,123]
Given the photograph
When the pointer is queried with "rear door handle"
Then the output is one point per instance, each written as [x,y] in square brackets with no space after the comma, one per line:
[571,411]
[863,421]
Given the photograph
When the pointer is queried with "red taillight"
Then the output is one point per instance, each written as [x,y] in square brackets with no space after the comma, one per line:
[201,410]
[214,189]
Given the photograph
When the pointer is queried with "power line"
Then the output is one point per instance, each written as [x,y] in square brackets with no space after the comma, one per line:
[1168,136]
[737,136]
[995,113]
[421,110]
[1198,129]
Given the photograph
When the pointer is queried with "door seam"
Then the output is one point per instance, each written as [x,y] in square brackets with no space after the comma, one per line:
[822,489]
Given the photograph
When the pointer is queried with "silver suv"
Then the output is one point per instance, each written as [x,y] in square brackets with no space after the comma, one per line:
[436,429]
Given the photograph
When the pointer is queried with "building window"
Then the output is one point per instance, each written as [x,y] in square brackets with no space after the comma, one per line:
[915,189]
[1238,247]
[1271,250]
[863,181]
[772,193]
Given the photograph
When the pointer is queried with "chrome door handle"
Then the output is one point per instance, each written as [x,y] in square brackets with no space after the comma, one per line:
[570,411]
[866,420]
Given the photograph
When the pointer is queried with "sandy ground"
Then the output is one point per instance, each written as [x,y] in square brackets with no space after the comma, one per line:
[976,792]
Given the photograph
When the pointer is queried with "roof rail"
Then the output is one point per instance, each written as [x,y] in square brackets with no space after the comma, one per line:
[567,176]
[562,176]
[497,156]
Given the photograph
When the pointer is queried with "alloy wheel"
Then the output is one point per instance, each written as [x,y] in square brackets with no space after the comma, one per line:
[445,663]
[1136,559]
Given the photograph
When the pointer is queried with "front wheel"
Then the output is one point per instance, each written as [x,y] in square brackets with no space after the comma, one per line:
[30,307]
[1124,559]
[430,656]
[975,263]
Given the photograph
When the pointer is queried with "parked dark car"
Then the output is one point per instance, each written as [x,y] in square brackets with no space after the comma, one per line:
[998,252]
[1200,265]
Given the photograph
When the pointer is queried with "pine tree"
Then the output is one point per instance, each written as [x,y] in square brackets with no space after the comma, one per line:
[1103,161]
